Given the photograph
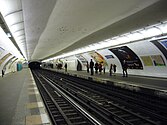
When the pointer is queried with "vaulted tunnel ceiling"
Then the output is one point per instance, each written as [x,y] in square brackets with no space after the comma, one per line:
[53,27]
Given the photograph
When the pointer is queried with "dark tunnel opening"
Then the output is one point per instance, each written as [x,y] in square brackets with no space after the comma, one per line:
[34,65]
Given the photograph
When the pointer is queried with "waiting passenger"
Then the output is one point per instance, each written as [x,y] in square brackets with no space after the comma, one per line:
[96,67]
[114,68]
[100,68]
[3,73]
[87,66]
[91,67]
[125,67]
[65,66]
[111,65]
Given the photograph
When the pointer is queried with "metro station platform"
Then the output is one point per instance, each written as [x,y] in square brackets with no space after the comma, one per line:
[21,103]
[151,85]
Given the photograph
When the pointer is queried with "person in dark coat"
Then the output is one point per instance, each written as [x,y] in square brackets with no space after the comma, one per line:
[65,66]
[91,67]
[104,68]
[87,66]
[111,66]
[114,68]
[2,73]
[125,67]
[96,67]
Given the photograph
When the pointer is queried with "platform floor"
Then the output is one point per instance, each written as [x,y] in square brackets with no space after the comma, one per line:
[148,82]
[20,101]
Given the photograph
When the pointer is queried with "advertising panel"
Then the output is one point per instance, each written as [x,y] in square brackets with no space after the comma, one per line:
[158,60]
[125,53]
[98,58]
[147,60]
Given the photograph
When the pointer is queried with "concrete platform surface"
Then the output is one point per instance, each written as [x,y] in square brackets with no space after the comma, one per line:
[20,101]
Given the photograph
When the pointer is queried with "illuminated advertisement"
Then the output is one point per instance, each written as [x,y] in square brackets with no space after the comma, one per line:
[98,58]
[158,60]
[125,53]
[147,60]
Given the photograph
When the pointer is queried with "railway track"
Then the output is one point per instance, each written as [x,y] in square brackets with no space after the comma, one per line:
[107,103]
[62,110]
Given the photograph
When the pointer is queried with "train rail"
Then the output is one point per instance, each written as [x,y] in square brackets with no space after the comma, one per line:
[111,105]
[61,108]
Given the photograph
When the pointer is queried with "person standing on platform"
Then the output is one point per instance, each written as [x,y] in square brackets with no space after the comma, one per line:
[114,68]
[2,73]
[125,67]
[91,66]
[111,65]
[104,68]
[87,66]
[96,67]
[65,66]
[100,68]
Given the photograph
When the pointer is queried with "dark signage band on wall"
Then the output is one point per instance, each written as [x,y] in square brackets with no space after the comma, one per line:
[161,45]
[109,56]
[125,53]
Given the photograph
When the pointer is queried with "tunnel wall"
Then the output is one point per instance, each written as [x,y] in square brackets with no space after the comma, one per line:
[12,66]
[71,63]
[3,63]
[153,61]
